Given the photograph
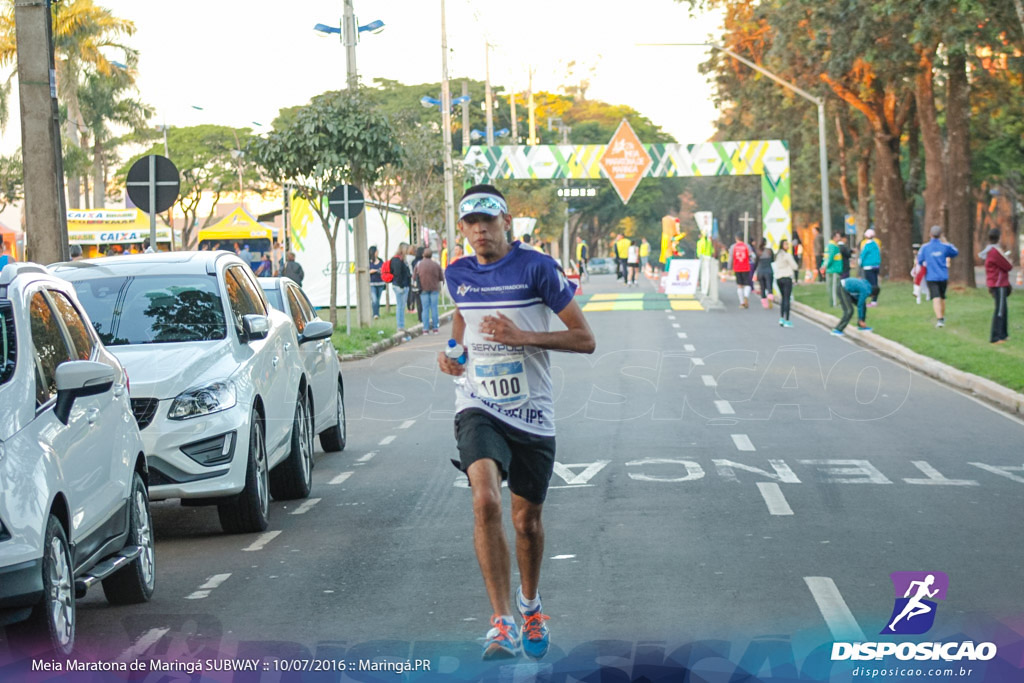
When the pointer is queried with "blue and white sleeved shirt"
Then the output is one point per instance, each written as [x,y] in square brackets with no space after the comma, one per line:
[511,383]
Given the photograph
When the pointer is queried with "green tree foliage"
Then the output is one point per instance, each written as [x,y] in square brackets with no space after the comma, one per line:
[339,137]
[12,180]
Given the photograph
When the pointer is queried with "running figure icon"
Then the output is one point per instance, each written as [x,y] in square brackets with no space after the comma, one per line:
[914,606]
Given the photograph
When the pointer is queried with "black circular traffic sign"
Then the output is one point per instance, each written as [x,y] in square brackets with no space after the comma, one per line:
[345,196]
[157,173]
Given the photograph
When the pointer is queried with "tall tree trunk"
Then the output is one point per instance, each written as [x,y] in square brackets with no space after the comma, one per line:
[961,233]
[1019,5]
[892,215]
[844,171]
[99,189]
[931,137]
[864,189]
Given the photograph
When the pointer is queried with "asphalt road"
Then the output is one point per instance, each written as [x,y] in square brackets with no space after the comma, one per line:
[719,477]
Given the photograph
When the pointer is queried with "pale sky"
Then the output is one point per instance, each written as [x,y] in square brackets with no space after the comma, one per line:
[244,60]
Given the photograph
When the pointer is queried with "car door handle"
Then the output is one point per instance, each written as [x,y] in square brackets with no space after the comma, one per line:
[287,345]
[275,361]
[92,415]
[320,345]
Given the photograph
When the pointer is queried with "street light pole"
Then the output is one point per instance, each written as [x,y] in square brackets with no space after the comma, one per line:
[446,131]
[826,209]
[348,38]
[488,97]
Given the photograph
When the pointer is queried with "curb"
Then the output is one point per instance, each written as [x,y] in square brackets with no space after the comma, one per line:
[984,389]
[393,340]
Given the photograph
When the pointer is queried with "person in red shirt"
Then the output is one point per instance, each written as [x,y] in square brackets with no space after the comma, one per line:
[739,264]
[997,278]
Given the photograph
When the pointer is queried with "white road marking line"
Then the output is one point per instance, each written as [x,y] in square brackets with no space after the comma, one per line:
[773,498]
[681,335]
[934,477]
[261,541]
[724,408]
[386,440]
[567,486]
[368,457]
[211,583]
[340,479]
[833,608]
[670,316]
[407,424]
[676,325]
[146,641]
[563,557]
[743,442]
[306,507]
[709,380]
[697,361]
[689,347]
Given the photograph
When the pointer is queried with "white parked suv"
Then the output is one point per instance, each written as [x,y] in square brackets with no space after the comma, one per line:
[319,358]
[73,503]
[218,387]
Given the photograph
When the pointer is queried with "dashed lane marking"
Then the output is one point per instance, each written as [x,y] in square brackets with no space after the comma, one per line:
[340,479]
[407,424]
[676,325]
[145,641]
[773,498]
[206,588]
[386,440]
[724,408]
[306,507]
[689,347]
[743,442]
[709,380]
[833,608]
[368,457]
[261,541]
[697,361]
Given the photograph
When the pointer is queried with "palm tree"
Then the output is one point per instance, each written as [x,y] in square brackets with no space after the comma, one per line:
[81,32]
[104,101]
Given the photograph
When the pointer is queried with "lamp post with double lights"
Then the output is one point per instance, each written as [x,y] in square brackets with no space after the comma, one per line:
[349,31]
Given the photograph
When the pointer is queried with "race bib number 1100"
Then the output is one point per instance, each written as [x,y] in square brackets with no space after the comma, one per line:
[501,381]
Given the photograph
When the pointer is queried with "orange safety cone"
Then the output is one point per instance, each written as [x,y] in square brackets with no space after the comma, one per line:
[1020,277]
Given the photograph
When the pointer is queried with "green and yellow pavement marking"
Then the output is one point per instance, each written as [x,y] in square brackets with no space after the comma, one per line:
[637,301]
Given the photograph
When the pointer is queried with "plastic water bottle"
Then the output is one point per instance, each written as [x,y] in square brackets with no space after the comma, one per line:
[456,352]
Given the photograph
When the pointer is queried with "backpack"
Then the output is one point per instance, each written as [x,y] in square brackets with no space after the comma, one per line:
[385,272]
[741,258]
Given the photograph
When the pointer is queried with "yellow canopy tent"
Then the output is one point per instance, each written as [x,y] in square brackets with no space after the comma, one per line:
[239,225]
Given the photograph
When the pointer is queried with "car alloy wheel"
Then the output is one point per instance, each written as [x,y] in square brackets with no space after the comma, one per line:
[61,594]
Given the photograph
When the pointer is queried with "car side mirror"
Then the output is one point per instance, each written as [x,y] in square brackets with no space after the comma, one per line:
[317,329]
[255,327]
[78,379]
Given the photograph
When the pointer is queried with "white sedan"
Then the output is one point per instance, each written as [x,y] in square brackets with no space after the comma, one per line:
[319,359]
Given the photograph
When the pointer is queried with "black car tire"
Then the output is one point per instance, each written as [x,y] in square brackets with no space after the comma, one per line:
[293,478]
[248,512]
[135,583]
[333,439]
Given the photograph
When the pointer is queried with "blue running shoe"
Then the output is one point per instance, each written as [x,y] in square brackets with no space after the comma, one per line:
[502,640]
[535,636]
[837,333]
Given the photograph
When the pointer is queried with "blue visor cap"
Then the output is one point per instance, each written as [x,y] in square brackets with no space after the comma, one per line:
[488,204]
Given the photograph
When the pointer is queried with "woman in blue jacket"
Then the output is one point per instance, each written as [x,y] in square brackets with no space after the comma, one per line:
[871,262]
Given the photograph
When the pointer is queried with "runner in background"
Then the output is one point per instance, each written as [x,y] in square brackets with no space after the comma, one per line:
[739,263]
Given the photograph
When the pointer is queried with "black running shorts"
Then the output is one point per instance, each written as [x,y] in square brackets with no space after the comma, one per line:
[525,460]
[937,288]
[743,278]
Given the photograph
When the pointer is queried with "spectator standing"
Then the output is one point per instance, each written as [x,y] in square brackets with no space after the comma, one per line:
[784,268]
[871,262]
[75,251]
[997,278]
[645,253]
[526,239]
[633,262]
[933,256]
[622,252]
[401,283]
[819,253]
[277,258]
[853,290]
[797,250]
[765,258]
[263,267]
[415,303]
[377,284]
[5,257]
[582,257]
[293,270]
[918,271]
[739,263]
[846,254]
[244,254]
[430,277]
[832,267]
[147,248]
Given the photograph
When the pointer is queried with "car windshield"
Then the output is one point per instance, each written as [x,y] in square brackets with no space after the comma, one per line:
[274,297]
[153,309]
[7,347]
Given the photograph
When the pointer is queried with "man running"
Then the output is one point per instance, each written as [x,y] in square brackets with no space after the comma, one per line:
[504,426]
[739,264]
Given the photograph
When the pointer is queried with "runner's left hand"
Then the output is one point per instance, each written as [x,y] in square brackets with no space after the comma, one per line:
[498,328]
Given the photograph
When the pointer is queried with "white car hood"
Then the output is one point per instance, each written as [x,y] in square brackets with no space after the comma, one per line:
[163,371]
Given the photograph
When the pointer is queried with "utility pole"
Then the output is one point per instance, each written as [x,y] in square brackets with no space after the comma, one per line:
[565,228]
[533,114]
[515,122]
[349,37]
[446,131]
[45,205]
[465,117]
[488,98]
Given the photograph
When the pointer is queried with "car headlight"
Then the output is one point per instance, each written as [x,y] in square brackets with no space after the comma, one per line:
[203,400]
